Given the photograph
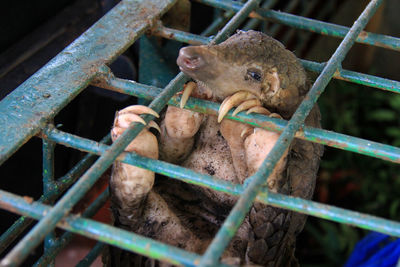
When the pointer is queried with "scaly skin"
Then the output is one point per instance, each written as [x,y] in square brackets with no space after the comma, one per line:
[247,62]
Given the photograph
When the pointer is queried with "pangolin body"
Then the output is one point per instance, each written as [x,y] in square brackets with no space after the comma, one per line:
[260,72]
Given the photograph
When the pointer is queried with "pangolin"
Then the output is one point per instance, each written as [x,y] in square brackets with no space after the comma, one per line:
[253,73]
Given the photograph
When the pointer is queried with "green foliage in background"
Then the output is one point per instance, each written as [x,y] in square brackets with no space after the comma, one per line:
[351,180]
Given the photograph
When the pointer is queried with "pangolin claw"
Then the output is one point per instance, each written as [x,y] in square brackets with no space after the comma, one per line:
[246,105]
[138,109]
[233,101]
[125,119]
[259,109]
[154,125]
[246,132]
[187,91]
[131,114]
[275,115]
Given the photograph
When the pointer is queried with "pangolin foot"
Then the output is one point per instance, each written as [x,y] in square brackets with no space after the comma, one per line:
[125,117]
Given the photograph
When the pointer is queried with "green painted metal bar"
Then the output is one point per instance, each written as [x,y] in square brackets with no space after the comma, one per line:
[312,25]
[304,13]
[341,74]
[92,255]
[356,77]
[236,20]
[218,23]
[158,166]
[48,182]
[59,81]
[180,36]
[63,240]
[48,165]
[124,22]
[253,23]
[189,176]
[302,44]
[103,232]
[288,8]
[366,147]
[23,222]
[60,186]
[243,205]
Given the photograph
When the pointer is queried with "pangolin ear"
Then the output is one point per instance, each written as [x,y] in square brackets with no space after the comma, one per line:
[271,83]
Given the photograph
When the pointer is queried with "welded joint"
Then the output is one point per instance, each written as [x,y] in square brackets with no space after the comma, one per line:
[338,71]
[103,77]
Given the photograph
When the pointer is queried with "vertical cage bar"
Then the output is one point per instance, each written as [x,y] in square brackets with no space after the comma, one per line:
[48,183]
[92,255]
[60,186]
[64,239]
[235,21]
[253,23]
[241,208]
[289,7]
[217,23]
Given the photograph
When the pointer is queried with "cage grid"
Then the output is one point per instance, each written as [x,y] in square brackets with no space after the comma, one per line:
[29,110]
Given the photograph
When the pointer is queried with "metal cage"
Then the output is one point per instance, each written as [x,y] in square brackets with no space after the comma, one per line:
[28,111]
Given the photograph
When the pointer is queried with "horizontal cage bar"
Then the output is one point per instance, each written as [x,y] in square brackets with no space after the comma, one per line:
[390,153]
[186,175]
[341,74]
[102,232]
[320,27]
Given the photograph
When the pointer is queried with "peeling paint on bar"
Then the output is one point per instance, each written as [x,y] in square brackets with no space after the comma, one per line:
[30,106]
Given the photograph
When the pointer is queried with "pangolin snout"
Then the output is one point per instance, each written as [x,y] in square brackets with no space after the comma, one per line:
[189,60]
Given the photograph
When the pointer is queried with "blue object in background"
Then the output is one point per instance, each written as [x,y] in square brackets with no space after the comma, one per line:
[375,249]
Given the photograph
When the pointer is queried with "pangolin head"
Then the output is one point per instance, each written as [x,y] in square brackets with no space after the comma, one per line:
[247,61]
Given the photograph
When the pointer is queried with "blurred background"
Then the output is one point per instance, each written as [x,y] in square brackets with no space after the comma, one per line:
[33,32]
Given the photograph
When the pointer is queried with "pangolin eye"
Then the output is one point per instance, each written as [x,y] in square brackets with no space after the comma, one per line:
[254,74]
